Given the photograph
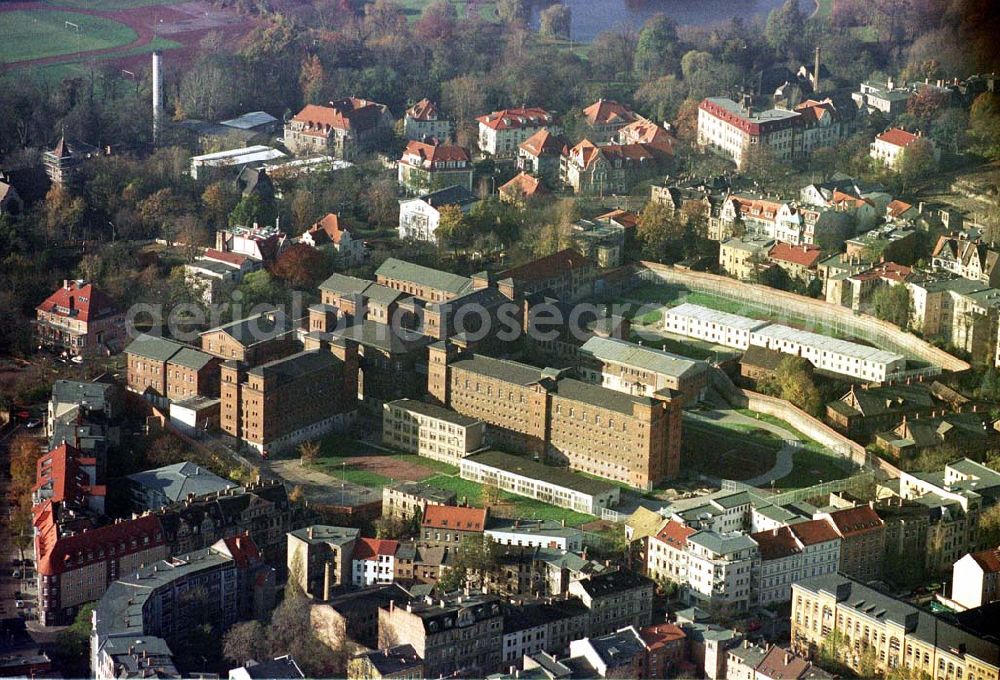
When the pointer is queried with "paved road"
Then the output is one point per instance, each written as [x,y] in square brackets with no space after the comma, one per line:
[784,459]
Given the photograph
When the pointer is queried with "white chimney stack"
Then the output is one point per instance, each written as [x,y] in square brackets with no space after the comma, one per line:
[157,97]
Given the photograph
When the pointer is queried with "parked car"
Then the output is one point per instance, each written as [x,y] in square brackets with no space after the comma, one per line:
[34,422]
[77,359]
[19,604]
[17,573]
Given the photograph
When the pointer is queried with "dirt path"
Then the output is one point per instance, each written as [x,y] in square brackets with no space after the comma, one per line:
[142,30]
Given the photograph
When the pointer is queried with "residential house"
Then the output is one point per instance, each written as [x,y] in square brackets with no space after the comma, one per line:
[419,217]
[446,526]
[857,290]
[10,200]
[608,169]
[79,319]
[501,132]
[970,431]
[969,259]
[62,163]
[328,232]
[621,654]
[373,561]
[862,534]
[750,662]
[456,635]
[963,313]
[283,667]
[666,649]
[604,118]
[344,129]
[426,167]
[542,627]
[666,553]
[540,155]
[799,262]
[405,500]
[263,244]
[744,258]
[791,553]
[615,599]
[523,189]
[886,98]
[720,570]
[889,147]
[646,132]
[976,579]
[423,120]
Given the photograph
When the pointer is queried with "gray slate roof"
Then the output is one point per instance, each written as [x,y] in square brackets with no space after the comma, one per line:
[630,354]
[178,480]
[401,270]
[155,348]
[191,358]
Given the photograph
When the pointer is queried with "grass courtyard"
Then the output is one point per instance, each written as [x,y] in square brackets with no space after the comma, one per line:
[34,34]
[374,467]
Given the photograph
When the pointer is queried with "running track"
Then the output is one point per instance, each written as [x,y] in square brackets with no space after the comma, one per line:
[130,17]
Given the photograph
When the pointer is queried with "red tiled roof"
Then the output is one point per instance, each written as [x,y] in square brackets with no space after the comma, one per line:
[329,225]
[626,218]
[675,534]
[840,198]
[897,208]
[227,257]
[343,114]
[543,142]
[645,131]
[243,550]
[422,153]
[814,531]
[547,267]
[898,137]
[72,552]
[756,207]
[661,634]
[424,109]
[888,271]
[805,255]
[989,560]
[451,517]
[776,543]
[523,185]
[510,119]
[61,467]
[780,664]
[605,111]
[854,521]
[370,548]
[79,301]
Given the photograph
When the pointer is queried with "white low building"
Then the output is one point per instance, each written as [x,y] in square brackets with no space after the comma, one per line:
[719,328]
[232,159]
[552,485]
[419,217]
[373,561]
[431,431]
[535,533]
[830,354]
[976,579]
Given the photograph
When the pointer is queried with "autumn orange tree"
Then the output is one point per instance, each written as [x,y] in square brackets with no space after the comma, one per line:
[301,267]
[24,454]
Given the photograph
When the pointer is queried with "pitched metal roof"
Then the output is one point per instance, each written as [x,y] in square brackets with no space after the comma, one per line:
[401,270]
[630,354]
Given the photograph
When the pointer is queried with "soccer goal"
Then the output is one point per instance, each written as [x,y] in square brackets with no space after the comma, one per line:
[72,27]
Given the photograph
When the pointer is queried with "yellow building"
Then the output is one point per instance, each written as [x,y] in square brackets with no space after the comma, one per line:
[400,663]
[871,630]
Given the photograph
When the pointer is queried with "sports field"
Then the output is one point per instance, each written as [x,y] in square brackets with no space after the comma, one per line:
[109,5]
[35,34]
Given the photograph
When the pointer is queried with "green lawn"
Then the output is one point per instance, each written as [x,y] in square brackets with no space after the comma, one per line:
[33,34]
[413,8]
[811,467]
[824,8]
[684,349]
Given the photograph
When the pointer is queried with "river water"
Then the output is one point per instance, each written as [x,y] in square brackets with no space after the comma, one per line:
[590,17]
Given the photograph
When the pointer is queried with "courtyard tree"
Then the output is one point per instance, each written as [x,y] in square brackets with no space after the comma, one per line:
[892,304]
[554,21]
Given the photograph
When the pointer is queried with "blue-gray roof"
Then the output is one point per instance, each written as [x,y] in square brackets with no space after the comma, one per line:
[401,270]
[178,480]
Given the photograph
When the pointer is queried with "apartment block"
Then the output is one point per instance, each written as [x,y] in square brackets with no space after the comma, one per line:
[320,558]
[431,431]
[791,553]
[615,599]
[897,634]
[720,570]
[501,132]
[862,534]
[445,526]
[459,635]
[396,663]
[166,599]
[976,578]
[405,500]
